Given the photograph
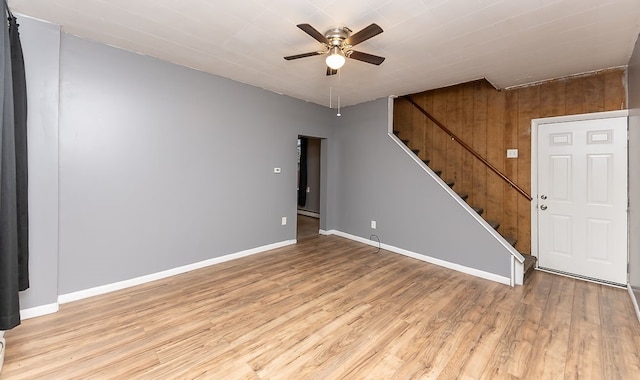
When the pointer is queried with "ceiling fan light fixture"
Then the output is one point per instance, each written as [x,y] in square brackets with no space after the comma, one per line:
[337,43]
[336,59]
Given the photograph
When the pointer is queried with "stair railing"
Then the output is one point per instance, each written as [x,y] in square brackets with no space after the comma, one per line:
[468,148]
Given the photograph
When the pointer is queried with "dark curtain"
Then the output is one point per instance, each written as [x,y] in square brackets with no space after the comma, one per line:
[302,175]
[14,252]
[20,134]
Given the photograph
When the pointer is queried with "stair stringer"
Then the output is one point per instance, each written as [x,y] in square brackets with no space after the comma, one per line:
[517,260]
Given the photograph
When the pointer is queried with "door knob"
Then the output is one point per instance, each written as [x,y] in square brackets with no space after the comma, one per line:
[543,197]
[543,207]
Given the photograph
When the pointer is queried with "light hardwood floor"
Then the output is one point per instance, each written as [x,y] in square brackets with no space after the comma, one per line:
[307,227]
[329,308]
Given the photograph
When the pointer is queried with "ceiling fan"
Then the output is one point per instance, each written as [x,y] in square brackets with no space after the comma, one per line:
[338,43]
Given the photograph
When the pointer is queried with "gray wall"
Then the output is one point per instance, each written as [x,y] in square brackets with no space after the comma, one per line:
[376,180]
[151,166]
[634,167]
[41,47]
[163,166]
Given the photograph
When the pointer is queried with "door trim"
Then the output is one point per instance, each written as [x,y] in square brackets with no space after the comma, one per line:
[534,160]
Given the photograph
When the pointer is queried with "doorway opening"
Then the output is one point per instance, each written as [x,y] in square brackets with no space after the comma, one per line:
[308,185]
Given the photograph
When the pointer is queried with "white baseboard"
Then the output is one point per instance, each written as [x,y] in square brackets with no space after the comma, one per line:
[428,259]
[86,293]
[39,311]
[81,294]
[70,297]
[634,300]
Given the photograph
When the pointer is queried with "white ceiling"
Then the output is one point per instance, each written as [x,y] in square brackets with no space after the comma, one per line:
[427,43]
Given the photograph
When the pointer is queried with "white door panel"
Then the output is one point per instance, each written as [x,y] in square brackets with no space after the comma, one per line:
[582,186]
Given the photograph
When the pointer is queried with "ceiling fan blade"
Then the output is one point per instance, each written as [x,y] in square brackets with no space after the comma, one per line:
[365,57]
[331,71]
[303,55]
[363,35]
[310,30]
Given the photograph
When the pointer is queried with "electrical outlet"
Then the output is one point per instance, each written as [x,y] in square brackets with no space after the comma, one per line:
[277,170]
[512,153]
[284,220]
[373,224]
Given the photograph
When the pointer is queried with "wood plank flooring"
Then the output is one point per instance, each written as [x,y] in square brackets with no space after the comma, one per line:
[307,227]
[329,308]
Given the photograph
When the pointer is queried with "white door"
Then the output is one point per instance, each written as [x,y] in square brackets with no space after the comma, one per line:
[582,191]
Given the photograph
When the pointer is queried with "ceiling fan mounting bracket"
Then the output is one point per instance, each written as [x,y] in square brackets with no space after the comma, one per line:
[337,35]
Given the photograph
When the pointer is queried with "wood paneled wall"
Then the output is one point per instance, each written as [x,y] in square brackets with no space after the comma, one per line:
[492,121]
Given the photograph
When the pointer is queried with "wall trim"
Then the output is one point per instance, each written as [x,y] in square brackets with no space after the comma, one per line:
[98,290]
[432,260]
[578,75]
[634,301]
[39,311]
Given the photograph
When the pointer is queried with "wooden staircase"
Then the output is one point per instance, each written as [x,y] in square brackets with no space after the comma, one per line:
[529,260]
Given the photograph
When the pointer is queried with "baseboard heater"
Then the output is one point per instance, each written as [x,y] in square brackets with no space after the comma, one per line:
[312,214]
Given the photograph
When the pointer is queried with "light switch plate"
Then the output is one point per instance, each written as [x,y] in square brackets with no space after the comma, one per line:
[277,170]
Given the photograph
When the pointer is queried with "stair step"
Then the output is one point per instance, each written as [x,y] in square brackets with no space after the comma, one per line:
[426,162]
[438,172]
[478,210]
[529,264]
[450,183]
[405,142]
[511,240]
[396,132]
[494,224]
[464,196]
[415,151]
